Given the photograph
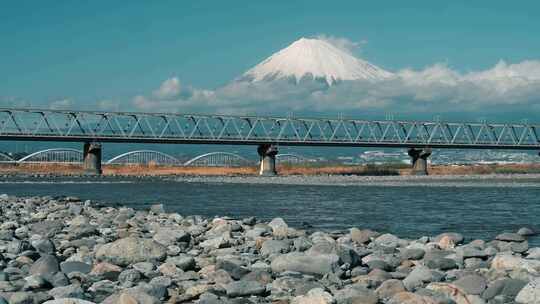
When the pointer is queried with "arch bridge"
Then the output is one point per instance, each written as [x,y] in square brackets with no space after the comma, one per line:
[292,159]
[56,155]
[218,159]
[144,157]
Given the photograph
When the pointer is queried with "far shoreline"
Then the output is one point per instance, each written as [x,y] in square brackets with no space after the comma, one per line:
[369,170]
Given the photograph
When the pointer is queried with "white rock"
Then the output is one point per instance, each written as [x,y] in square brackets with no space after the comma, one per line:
[530,294]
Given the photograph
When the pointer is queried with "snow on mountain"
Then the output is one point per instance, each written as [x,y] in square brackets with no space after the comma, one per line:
[317,59]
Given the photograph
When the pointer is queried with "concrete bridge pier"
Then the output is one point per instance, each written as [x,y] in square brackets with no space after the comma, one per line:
[268,153]
[419,159]
[92,158]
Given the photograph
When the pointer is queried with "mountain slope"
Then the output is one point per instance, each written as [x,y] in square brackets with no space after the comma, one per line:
[315,58]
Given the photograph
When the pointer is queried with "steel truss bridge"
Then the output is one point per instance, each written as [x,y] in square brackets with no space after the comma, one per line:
[127,127]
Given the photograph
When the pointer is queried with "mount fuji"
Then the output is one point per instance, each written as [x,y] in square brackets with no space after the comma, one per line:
[314,59]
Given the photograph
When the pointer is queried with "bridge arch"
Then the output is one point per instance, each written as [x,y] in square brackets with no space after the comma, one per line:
[291,159]
[4,158]
[218,159]
[144,157]
[56,155]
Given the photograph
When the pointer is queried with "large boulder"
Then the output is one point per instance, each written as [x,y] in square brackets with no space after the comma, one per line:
[306,264]
[131,250]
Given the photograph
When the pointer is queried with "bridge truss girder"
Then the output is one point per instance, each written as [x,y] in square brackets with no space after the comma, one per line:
[81,126]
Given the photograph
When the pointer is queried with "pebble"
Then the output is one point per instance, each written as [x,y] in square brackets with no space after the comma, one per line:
[85,253]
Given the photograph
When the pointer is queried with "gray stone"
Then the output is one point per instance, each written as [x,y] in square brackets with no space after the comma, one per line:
[348,255]
[389,288]
[59,279]
[146,268]
[457,238]
[157,209]
[184,262]
[216,243]
[355,293]
[244,288]
[472,284]
[44,246]
[34,282]
[530,294]
[250,221]
[279,227]
[47,229]
[299,262]
[316,295]
[510,237]
[131,295]
[296,286]
[68,301]
[301,244]
[506,288]
[131,250]
[387,240]
[21,298]
[170,236]
[46,266]
[69,267]
[412,254]
[270,247]
[441,263]
[417,277]
[524,231]
[362,236]
[519,247]
[378,264]
[129,277]
[471,252]
[533,253]
[69,291]
[232,267]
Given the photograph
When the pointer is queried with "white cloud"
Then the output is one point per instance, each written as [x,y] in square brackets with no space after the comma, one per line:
[107,105]
[61,104]
[349,46]
[437,89]
[170,88]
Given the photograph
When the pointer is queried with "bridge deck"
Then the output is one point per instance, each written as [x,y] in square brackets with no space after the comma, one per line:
[122,127]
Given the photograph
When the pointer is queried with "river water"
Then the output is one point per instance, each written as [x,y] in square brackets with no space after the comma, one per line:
[477,207]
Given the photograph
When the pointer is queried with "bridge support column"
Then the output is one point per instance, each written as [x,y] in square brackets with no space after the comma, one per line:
[268,159]
[92,158]
[419,159]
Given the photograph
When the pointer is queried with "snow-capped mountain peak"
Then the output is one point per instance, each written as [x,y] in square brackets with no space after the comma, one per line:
[315,58]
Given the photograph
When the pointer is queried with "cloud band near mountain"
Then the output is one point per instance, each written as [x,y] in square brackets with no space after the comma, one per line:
[437,89]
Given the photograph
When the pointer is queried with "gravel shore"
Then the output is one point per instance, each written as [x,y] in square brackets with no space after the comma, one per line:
[352,180]
[64,250]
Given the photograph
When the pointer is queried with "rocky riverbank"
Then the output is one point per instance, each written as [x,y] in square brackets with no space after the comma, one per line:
[63,250]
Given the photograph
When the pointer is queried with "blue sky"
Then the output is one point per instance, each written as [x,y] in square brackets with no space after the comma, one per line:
[85,52]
